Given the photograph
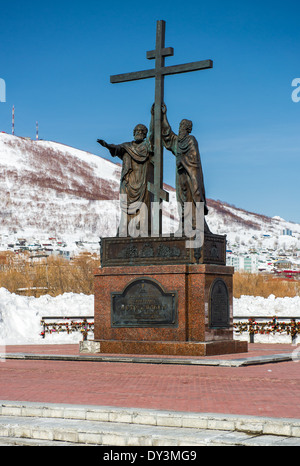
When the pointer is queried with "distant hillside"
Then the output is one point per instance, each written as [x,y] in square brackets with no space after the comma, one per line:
[47,188]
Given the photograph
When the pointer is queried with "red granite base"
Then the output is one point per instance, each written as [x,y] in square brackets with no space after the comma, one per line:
[192,334]
[173,348]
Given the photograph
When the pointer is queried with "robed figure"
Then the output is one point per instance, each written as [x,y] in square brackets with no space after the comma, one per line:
[134,194]
[190,191]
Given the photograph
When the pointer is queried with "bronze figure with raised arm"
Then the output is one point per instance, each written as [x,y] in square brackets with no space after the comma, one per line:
[189,176]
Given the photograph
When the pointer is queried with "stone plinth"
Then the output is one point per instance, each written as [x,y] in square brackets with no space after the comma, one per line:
[165,309]
[167,250]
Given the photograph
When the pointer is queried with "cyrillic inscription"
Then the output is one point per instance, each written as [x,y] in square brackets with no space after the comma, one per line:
[144,303]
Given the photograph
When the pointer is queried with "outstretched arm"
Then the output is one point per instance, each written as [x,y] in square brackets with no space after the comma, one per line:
[115,150]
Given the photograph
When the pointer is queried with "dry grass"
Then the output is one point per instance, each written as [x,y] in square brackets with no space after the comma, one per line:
[263,285]
[52,276]
[56,275]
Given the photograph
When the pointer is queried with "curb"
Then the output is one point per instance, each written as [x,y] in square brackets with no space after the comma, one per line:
[209,421]
[255,360]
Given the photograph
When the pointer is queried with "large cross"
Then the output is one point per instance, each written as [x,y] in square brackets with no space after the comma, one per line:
[159,72]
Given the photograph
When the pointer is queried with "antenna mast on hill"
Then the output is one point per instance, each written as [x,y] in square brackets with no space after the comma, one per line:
[13,120]
[37,131]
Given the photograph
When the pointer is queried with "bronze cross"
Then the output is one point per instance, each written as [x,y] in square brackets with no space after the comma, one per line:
[159,72]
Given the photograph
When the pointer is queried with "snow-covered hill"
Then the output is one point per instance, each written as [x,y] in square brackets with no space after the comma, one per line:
[52,190]
[252,229]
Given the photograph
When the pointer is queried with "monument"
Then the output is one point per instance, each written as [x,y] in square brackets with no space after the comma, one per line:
[134,195]
[156,293]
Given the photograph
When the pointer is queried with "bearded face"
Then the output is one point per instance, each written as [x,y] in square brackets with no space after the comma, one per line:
[185,128]
[139,133]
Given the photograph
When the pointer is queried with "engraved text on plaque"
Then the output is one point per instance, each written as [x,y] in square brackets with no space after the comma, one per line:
[144,303]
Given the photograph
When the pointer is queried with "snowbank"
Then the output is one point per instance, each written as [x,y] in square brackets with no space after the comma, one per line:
[20,316]
[249,306]
[255,306]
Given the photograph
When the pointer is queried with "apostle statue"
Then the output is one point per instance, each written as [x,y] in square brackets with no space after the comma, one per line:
[134,195]
[190,189]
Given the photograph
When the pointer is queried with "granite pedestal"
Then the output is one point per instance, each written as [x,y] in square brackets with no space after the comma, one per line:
[180,309]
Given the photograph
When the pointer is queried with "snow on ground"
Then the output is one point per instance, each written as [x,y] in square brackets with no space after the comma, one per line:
[249,306]
[256,306]
[20,316]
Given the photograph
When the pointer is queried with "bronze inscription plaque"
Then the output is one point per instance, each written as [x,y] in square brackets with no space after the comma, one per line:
[144,303]
[219,304]
[162,250]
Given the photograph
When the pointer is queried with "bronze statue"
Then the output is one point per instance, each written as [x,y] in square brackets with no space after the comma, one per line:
[189,176]
[134,195]
[158,72]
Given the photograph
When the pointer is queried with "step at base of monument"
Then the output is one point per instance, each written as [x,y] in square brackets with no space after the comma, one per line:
[28,442]
[173,348]
[43,424]
[36,431]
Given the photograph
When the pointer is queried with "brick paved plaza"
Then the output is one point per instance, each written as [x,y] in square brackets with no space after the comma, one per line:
[261,390]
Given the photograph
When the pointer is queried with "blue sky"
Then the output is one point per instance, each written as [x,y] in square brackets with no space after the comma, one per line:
[57,57]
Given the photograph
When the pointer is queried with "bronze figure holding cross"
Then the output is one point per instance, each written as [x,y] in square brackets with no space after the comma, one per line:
[155,140]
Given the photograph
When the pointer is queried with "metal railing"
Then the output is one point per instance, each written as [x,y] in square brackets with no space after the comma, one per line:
[256,325]
[69,324]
